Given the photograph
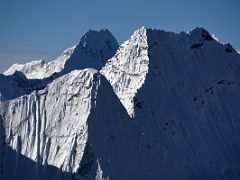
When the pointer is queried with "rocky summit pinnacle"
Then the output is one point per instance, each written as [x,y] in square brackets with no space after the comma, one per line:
[163,105]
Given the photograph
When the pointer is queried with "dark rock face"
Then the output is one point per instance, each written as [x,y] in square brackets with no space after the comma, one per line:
[229,48]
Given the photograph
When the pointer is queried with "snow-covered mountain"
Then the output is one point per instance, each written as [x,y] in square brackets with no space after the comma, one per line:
[93,50]
[40,69]
[163,105]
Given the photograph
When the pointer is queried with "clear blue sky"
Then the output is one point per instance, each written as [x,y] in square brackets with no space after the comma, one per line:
[34,29]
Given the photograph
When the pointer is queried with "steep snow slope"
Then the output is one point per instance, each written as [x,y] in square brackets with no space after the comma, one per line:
[49,126]
[188,103]
[93,50]
[190,100]
[115,144]
[16,85]
[174,115]
[40,69]
[127,70]
[76,124]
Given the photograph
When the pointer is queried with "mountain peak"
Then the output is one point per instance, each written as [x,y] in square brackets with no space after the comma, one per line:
[140,31]
[93,50]
[129,67]
[39,69]
[175,103]
[93,38]
[201,34]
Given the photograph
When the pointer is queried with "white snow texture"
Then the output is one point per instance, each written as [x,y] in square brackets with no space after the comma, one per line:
[163,105]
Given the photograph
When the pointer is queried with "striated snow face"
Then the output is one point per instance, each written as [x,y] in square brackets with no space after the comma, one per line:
[164,106]
[126,71]
[186,106]
[49,126]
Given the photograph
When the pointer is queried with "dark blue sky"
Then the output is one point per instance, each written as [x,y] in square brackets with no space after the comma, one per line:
[32,29]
